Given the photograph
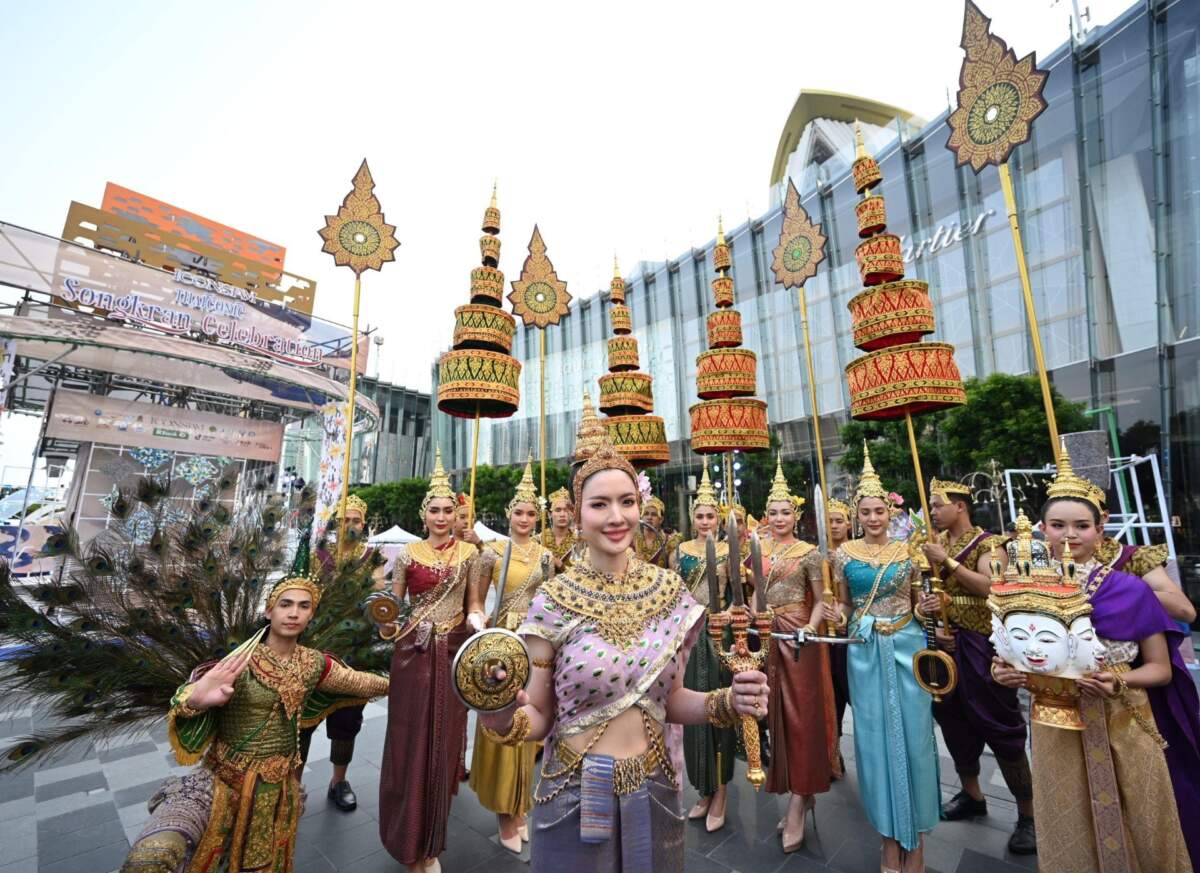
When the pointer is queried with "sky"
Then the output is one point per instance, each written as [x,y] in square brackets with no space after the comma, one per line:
[621,128]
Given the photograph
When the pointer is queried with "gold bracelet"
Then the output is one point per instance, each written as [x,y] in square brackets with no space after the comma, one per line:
[520,729]
[182,710]
[921,616]
[545,665]
[386,636]
[951,564]
[718,706]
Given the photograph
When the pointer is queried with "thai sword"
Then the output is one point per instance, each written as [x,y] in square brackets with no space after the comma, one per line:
[739,658]
[823,547]
[501,583]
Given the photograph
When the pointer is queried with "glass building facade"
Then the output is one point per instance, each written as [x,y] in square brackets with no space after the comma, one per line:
[1108,193]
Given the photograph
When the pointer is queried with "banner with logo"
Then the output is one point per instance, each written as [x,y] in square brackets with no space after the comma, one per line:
[83,417]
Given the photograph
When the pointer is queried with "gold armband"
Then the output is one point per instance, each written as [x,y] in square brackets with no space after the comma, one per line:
[521,727]
[182,709]
[718,706]
[545,665]
[951,564]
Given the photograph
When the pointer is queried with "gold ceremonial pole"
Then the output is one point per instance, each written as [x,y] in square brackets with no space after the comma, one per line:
[350,409]
[1010,203]
[542,421]
[812,391]
[474,465]
[814,414]
[916,459]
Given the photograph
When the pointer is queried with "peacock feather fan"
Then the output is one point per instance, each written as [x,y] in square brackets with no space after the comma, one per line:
[101,645]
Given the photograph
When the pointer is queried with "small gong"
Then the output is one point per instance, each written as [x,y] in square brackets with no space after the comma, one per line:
[475,665]
[383,608]
[936,672]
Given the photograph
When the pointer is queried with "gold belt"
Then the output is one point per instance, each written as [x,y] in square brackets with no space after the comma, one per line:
[232,769]
[890,627]
[628,773]
[968,600]
[794,606]
[444,627]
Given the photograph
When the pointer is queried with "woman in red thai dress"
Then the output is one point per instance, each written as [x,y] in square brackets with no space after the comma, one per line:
[427,724]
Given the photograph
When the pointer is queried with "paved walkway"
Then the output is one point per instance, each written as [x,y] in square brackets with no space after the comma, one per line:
[78,815]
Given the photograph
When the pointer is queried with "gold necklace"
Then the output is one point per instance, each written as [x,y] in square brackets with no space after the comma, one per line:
[875,554]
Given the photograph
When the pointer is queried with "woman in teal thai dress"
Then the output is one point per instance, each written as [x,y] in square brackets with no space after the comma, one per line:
[895,750]
[708,750]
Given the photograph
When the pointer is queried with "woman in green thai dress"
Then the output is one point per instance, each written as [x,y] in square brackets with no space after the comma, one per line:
[708,751]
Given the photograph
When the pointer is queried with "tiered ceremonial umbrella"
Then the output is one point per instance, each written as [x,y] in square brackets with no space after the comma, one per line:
[901,375]
[626,393]
[478,377]
[728,417]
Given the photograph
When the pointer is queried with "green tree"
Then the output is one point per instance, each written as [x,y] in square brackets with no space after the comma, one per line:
[396,502]
[1003,419]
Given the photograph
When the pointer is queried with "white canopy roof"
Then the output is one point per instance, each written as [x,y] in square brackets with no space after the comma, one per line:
[394,534]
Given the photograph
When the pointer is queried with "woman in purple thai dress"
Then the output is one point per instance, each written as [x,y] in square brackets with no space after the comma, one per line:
[609,639]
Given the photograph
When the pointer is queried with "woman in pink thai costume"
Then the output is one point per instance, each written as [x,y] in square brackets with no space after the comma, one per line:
[609,639]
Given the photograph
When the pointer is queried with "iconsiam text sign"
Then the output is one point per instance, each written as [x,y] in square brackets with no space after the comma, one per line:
[93,418]
[180,302]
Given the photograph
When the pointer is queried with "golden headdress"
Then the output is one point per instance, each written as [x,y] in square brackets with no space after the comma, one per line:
[869,484]
[780,489]
[439,483]
[948,489]
[560,494]
[835,505]
[706,495]
[735,507]
[310,583]
[353,503]
[1067,483]
[655,502]
[526,491]
[605,457]
[590,434]
[1032,582]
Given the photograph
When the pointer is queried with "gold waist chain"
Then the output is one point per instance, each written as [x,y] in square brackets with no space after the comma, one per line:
[629,774]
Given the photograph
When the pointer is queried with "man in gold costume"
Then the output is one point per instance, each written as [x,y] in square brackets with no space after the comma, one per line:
[240,718]
[653,544]
[560,538]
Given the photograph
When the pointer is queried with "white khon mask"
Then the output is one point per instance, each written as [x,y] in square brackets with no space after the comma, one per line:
[1040,644]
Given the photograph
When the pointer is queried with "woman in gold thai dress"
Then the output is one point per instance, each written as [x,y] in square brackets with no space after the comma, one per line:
[502,776]
[427,724]
[1139,828]
[803,735]
[708,750]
